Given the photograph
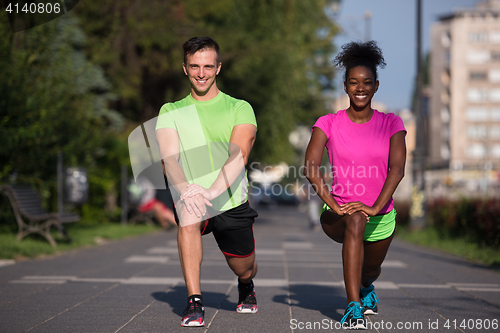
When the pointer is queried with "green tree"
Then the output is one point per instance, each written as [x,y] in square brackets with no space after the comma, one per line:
[275,53]
[53,99]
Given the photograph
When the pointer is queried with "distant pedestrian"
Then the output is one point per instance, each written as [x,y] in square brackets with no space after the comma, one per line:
[147,196]
[367,154]
[205,140]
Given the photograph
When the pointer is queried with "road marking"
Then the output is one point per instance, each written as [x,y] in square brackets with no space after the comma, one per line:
[263,262]
[163,250]
[425,286]
[147,259]
[380,285]
[297,245]
[486,290]
[471,285]
[269,252]
[153,280]
[44,279]
[171,250]
[394,264]
[385,285]
[6,262]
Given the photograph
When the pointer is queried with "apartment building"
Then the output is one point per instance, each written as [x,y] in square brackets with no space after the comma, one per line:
[464,109]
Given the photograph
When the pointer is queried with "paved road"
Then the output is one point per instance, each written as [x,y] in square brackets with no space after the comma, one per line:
[136,285]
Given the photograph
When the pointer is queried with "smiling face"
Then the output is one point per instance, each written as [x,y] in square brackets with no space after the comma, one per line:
[360,86]
[202,69]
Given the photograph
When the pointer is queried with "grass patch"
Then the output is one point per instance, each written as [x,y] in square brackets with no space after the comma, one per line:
[81,235]
[459,246]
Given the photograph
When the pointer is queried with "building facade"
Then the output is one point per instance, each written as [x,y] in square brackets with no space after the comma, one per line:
[464,113]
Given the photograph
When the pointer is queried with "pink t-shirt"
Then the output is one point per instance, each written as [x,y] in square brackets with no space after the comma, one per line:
[359,155]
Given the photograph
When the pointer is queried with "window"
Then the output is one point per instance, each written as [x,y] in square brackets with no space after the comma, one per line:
[445,39]
[478,56]
[445,78]
[445,96]
[477,76]
[445,151]
[476,95]
[495,37]
[495,151]
[476,150]
[494,75]
[495,132]
[477,114]
[445,115]
[476,132]
[495,114]
[495,95]
[447,58]
[446,132]
[478,37]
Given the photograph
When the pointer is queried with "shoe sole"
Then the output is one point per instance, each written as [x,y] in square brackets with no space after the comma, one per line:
[193,324]
[357,327]
[370,312]
[238,310]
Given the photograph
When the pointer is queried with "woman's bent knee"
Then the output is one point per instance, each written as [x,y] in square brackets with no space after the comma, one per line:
[355,224]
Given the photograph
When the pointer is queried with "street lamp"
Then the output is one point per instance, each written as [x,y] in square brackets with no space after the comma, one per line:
[418,198]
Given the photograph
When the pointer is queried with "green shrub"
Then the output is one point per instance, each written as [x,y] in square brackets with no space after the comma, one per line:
[475,219]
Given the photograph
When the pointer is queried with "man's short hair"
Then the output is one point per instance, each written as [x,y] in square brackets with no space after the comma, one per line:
[196,44]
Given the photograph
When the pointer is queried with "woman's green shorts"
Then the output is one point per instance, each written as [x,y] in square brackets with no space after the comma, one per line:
[378,227]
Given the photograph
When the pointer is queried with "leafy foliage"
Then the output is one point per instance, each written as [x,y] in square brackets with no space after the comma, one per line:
[476,219]
[53,99]
[275,53]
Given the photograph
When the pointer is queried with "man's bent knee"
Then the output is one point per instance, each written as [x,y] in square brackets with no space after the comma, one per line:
[194,228]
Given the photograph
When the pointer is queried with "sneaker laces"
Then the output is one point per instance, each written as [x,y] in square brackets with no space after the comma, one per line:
[371,299]
[354,310]
[193,305]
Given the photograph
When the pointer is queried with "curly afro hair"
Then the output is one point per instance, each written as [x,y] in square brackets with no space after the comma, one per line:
[355,54]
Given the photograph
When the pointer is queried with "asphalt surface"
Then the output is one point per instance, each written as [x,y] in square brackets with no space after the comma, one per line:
[136,285]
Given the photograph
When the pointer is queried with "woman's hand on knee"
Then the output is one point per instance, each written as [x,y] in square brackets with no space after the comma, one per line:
[357,206]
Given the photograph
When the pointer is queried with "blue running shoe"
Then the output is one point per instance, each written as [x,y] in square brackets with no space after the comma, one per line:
[369,300]
[353,318]
[194,313]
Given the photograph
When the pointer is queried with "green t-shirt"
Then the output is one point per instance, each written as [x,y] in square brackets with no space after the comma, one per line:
[204,130]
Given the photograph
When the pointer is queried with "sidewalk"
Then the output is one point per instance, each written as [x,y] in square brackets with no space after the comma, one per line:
[136,285]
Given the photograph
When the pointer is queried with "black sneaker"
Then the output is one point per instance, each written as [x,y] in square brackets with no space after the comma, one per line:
[194,313]
[369,300]
[353,319]
[247,303]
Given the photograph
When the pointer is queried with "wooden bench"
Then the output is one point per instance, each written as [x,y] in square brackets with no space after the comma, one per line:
[30,215]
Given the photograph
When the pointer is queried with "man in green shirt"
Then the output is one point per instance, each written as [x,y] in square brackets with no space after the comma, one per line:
[204,141]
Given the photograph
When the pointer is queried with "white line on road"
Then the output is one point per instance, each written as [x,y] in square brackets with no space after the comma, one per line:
[147,259]
[6,262]
[388,285]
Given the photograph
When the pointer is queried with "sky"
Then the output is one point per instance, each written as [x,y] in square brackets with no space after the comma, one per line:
[393,27]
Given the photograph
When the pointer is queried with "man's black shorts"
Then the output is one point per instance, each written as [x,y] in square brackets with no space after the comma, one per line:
[232,230]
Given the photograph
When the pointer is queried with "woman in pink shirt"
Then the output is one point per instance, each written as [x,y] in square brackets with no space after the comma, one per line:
[367,154]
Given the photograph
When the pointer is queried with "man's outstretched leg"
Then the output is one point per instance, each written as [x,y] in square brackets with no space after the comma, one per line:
[246,269]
